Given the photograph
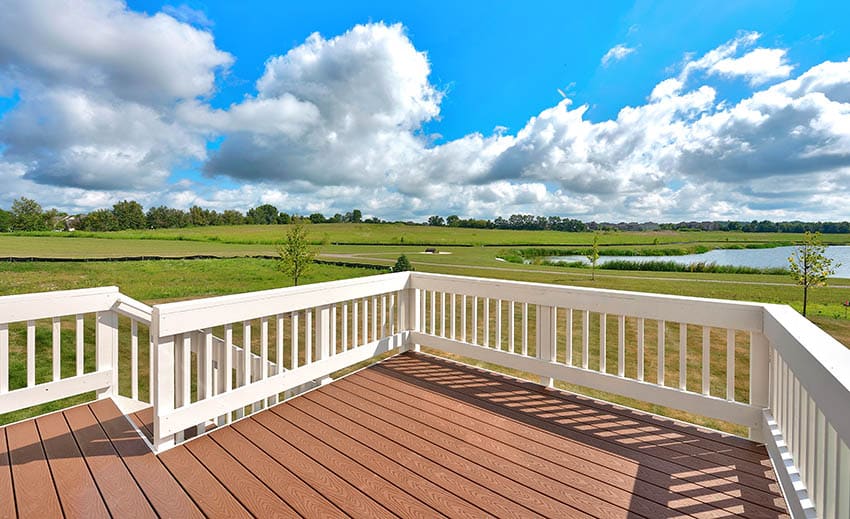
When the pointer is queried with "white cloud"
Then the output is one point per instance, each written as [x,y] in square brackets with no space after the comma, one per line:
[186,14]
[616,53]
[113,103]
[758,66]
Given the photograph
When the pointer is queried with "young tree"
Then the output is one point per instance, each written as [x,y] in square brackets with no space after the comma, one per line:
[296,254]
[809,265]
[593,256]
[402,264]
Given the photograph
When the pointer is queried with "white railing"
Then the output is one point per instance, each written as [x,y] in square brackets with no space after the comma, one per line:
[85,328]
[295,336]
[215,360]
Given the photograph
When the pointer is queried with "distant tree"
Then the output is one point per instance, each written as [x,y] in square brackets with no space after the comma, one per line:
[436,221]
[453,221]
[337,218]
[54,219]
[296,254]
[129,215]
[356,216]
[27,215]
[200,216]
[402,264]
[284,219]
[265,214]
[809,265]
[166,218]
[101,220]
[593,256]
[5,221]
[232,217]
[317,218]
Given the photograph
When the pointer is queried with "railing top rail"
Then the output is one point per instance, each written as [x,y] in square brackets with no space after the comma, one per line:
[819,362]
[41,305]
[718,313]
[197,314]
[134,309]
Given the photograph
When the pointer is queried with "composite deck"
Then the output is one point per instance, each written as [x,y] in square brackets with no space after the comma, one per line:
[414,436]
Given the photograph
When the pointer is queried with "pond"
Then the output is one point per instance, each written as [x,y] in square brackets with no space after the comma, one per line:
[776,257]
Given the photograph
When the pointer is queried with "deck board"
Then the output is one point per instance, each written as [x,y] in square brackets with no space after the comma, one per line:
[413,436]
[75,486]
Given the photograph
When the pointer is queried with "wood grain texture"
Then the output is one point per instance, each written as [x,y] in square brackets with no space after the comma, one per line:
[75,486]
[35,494]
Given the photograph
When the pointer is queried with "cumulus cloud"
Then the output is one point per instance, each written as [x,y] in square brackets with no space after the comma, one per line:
[98,89]
[616,53]
[112,102]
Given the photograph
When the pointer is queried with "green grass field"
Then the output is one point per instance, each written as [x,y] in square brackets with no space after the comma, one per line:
[169,280]
[400,234]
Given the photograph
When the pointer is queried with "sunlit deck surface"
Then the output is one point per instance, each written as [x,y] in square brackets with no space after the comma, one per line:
[412,436]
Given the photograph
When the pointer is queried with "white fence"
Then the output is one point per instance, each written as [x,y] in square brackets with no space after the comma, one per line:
[215,360]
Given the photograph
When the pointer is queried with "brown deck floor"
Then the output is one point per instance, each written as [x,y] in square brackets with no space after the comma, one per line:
[412,436]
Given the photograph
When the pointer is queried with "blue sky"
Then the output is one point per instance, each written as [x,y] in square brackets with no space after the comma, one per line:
[406,109]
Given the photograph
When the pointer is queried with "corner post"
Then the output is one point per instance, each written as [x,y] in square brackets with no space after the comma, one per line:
[546,323]
[759,377]
[414,315]
[162,388]
[106,355]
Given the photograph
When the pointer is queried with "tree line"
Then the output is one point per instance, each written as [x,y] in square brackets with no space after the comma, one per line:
[27,215]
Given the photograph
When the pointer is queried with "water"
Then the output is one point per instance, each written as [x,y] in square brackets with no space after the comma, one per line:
[762,258]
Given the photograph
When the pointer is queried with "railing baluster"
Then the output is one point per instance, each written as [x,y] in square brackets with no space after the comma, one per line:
[365,323]
[185,386]
[332,325]
[354,324]
[683,356]
[621,345]
[463,317]
[585,339]
[293,340]
[661,339]
[640,347]
[511,328]
[525,328]
[830,497]
[246,353]
[433,319]
[375,335]
[228,360]
[80,344]
[730,365]
[475,320]
[57,345]
[842,480]
[706,359]
[345,327]
[134,359]
[264,348]
[4,357]
[30,353]
[383,316]
[207,378]
[568,327]
[603,342]
[442,314]
[498,344]
[308,335]
[487,322]
[453,315]
[278,354]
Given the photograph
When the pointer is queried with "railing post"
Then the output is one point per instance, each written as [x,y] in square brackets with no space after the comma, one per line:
[323,336]
[546,338]
[106,355]
[414,315]
[759,377]
[162,390]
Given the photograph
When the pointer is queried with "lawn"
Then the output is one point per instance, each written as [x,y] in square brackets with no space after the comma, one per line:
[169,280]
